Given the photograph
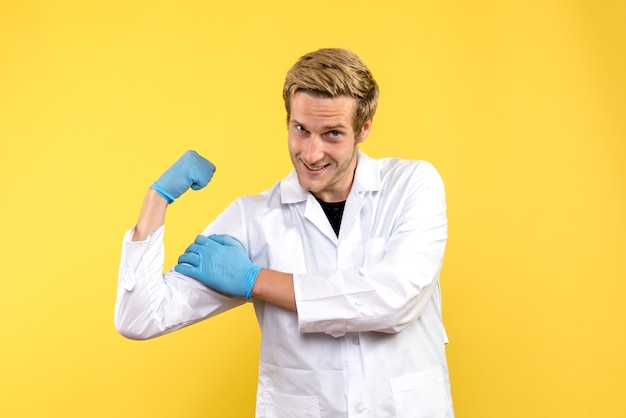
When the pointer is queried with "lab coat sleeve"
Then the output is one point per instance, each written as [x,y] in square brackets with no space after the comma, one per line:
[150,303]
[399,274]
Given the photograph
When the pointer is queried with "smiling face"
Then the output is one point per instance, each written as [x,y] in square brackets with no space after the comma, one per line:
[322,144]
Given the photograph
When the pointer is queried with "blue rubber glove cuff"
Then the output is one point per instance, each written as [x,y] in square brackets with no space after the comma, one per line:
[250,279]
[162,192]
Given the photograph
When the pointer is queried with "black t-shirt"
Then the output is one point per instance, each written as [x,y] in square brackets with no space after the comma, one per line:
[334,213]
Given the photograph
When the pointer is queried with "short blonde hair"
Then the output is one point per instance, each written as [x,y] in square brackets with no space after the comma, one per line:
[332,72]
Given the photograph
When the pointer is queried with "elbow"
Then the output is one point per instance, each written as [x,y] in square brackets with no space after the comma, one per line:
[400,318]
[132,334]
[392,325]
[132,331]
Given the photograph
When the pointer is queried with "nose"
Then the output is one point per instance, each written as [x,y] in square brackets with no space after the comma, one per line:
[313,151]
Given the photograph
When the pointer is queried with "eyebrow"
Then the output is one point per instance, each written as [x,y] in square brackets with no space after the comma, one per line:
[335,127]
[324,128]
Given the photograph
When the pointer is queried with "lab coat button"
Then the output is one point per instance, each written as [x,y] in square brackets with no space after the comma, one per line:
[355,340]
[359,408]
[128,281]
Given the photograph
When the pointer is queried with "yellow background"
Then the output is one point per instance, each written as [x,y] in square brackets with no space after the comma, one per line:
[521,105]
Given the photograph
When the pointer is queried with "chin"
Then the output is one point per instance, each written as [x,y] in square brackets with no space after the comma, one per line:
[309,186]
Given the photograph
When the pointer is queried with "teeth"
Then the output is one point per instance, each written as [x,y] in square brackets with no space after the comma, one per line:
[313,168]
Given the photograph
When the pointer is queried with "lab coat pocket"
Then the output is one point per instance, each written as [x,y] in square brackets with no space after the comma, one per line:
[425,394]
[280,405]
[374,250]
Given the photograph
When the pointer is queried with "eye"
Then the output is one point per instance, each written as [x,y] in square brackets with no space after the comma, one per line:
[300,128]
[333,135]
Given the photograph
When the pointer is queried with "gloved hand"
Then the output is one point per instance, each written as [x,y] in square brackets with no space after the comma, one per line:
[219,262]
[191,170]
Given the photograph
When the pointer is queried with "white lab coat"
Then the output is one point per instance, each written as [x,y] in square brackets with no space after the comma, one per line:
[368,338]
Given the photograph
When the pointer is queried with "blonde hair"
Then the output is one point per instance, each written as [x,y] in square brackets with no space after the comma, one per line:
[332,72]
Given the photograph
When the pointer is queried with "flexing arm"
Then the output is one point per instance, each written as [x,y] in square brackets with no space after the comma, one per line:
[207,260]
[150,303]
[190,171]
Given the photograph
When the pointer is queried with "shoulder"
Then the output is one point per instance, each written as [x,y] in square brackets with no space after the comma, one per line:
[257,202]
[408,171]
[393,174]
[241,212]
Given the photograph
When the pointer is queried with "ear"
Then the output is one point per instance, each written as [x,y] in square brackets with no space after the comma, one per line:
[365,131]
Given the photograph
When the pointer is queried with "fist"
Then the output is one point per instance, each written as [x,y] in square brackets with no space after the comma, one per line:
[190,171]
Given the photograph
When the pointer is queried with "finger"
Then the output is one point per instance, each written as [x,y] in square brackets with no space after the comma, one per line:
[210,166]
[203,177]
[201,182]
[185,269]
[189,258]
[202,172]
[194,248]
[204,164]
[202,240]
[225,239]
[198,185]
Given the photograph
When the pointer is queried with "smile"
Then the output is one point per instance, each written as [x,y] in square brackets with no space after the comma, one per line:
[314,169]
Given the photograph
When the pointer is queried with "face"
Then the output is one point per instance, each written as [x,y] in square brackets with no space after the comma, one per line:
[322,144]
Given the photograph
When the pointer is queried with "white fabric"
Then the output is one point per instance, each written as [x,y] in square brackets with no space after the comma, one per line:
[368,338]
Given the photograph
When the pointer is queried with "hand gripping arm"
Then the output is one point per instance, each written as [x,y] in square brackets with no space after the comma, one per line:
[219,262]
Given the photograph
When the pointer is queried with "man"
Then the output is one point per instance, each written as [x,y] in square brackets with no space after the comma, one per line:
[341,260]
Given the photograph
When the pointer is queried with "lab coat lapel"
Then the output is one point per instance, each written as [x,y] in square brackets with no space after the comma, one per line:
[366,179]
[292,192]
[354,203]
[314,213]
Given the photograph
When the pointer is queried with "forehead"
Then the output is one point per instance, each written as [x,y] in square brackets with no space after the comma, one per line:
[306,108]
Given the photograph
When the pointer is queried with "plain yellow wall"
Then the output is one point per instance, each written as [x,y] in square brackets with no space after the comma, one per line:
[521,105]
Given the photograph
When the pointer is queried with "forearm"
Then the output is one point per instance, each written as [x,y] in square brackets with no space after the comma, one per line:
[276,288]
[151,217]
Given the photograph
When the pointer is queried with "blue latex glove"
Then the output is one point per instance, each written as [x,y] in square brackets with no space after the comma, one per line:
[191,170]
[219,262]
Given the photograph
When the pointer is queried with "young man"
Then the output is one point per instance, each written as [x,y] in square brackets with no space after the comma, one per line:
[341,260]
